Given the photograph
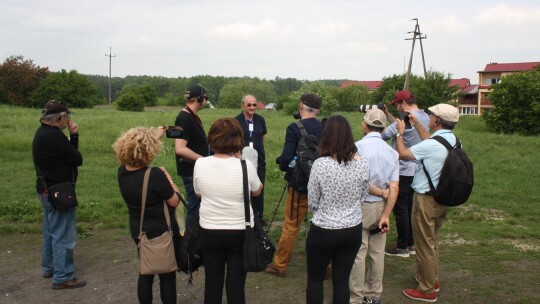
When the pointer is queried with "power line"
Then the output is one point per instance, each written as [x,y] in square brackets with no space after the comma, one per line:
[110,55]
[416,35]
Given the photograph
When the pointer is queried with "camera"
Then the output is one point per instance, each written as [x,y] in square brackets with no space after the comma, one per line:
[376,230]
[174,132]
[366,107]
[405,117]
[296,115]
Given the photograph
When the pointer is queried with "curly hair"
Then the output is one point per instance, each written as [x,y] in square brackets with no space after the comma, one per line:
[137,147]
[226,136]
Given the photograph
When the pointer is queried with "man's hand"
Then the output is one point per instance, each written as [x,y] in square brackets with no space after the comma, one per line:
[413,119]
[400,126]
[73,127]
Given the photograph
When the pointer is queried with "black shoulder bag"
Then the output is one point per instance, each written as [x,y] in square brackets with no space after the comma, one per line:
[258,249]
[62,195]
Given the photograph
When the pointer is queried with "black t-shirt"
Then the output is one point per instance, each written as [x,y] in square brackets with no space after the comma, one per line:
[159,189]
[256,136]
[196,141]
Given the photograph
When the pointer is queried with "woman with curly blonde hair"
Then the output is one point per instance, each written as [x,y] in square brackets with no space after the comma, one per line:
[136,149]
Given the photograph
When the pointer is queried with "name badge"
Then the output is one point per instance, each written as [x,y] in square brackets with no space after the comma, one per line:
[251,144]
[250,127]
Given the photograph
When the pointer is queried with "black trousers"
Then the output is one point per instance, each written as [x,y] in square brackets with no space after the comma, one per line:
[257,202]
[222,250]
[403,211]
[339,246]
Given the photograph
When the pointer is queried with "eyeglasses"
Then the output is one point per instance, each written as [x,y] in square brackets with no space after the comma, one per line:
[251,105]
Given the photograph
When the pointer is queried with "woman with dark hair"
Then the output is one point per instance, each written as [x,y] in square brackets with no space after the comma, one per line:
[337,187]
[136,149]
[218,180]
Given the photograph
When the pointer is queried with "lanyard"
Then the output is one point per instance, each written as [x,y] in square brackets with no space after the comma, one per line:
[250,126]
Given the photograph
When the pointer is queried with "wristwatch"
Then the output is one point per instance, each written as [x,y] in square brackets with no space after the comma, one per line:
[398,135]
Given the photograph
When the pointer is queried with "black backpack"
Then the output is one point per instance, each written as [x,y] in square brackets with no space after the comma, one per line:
[306,151]
[188,251]
[456,181]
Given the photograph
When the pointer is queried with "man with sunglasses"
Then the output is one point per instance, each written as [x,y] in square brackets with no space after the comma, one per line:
[193,143]
[56,159]
[406,104]
[254,128]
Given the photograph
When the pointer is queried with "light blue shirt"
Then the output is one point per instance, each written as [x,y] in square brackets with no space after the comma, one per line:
[410,138]
[383,162]
[434,155]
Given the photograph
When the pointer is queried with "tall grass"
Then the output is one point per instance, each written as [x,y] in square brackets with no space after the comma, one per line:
[500,217]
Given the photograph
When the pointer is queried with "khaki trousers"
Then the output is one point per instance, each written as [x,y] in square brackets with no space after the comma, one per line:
[370,284]
[427,219]
[296,207]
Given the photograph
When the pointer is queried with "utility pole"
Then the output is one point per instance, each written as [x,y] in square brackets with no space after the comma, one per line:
[110,55]
[416,35]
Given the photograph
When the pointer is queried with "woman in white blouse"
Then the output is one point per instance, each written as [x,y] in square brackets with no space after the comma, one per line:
[337,187]
[217,179]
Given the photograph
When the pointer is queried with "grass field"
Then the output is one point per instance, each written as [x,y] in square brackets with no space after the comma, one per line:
[492,243]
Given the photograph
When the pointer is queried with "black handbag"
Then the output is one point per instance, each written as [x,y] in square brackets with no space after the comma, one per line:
[62,195]
[258,249]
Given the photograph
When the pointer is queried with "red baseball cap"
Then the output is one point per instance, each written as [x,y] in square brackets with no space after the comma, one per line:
[400,96]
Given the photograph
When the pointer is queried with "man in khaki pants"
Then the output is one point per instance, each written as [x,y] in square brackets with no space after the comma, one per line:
[427,215]
[376,209]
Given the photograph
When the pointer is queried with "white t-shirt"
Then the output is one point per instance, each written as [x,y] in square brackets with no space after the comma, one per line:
[220,184]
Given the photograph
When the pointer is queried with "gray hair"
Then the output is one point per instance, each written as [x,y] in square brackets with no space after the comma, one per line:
[310,109]
[51,117]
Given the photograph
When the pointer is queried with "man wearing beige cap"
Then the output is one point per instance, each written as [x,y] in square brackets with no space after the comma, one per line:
[376,209]
[428,215]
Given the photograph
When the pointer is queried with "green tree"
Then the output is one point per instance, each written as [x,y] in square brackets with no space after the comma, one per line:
[18,78]
[329,103]
[232,92]
[146,92]
[351,97]
[428,91]
[130,102]
[71,88]
[517,104]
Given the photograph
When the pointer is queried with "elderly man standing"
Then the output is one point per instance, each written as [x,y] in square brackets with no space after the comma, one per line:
[428,215]
[56,159]
[366,288]
[254,128]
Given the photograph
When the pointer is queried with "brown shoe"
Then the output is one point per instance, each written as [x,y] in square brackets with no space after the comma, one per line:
[271,269]
[71,284]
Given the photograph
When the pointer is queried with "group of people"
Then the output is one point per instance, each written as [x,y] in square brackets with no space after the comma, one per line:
[352,190]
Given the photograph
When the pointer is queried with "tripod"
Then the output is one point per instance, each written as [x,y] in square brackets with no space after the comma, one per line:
[285,185]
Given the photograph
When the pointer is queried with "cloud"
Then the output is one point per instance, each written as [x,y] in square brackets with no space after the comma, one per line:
[506,14]
[452,24]
[330,28]
[245,30]
[366,48]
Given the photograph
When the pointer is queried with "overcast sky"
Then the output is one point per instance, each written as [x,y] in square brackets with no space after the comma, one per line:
[332,39]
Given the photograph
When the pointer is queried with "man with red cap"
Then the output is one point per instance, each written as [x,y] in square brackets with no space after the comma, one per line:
[405,103]
[56,159]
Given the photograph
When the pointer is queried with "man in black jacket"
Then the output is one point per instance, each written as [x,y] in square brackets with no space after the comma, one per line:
[56,159]
[296,204]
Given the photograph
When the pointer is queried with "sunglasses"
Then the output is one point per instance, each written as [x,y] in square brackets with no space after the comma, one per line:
[251,105]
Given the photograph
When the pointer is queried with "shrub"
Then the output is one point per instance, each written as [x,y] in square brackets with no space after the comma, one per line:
[130,102]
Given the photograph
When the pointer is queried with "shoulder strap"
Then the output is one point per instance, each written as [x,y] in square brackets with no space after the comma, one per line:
[303,131]
[246,193]
[449,147]
[143,197]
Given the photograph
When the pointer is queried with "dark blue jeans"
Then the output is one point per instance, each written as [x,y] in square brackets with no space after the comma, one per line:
[59,240]
[223,249]
[402,212]
[192,199]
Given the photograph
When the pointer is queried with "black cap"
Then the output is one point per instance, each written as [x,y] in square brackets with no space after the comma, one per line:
[195,90]
[55,107]
[311,100]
